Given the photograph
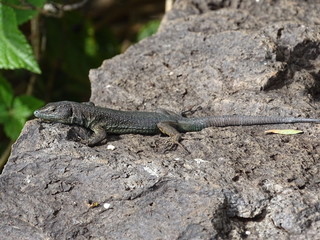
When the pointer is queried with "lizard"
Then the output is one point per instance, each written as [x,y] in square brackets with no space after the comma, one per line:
[102,121]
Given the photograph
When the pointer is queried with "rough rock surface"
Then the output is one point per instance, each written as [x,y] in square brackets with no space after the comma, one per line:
[210,57]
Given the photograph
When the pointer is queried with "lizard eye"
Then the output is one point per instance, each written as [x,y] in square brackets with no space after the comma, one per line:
[52,109]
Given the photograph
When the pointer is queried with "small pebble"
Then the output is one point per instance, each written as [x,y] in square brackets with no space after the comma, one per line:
[199,160]
[111,147]
[106,205]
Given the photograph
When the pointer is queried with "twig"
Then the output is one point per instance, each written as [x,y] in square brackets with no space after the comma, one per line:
[49,9]
[57,10]
[27,6]
[35,42]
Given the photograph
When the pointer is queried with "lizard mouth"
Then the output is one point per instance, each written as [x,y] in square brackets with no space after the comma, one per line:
[43,115]
[47,117]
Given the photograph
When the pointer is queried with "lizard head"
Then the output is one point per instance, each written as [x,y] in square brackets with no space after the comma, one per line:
[56,112]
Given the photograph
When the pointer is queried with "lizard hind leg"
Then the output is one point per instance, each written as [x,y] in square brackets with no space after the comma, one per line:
[169,129]
[97,136]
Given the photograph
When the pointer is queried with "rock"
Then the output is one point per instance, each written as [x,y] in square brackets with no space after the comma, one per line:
[213,57]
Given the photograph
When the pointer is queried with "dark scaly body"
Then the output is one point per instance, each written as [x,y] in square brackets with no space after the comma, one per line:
[104,120]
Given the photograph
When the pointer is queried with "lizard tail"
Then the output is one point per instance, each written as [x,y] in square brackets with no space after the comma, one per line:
[197,124]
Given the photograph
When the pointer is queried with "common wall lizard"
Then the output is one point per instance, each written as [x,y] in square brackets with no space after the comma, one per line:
[104,120]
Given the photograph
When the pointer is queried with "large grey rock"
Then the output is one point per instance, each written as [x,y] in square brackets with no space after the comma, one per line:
[216,57]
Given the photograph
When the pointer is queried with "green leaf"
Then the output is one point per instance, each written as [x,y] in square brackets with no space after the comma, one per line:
[13,127]
[283,131]
[148,29]
[6,92]
[20,110]
[15,52]
[25,15]
[24,106]
[14,119]
[30,102]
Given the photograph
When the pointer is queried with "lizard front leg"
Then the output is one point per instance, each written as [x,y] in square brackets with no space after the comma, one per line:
[97,136]
[169,129]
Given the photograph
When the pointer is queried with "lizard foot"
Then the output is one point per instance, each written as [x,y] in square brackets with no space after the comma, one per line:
[169,129]
[172,144]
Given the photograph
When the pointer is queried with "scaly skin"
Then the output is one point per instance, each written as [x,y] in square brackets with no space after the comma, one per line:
[104,120]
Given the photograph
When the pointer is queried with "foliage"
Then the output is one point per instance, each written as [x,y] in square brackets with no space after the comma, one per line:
[15,52]
[14,111]
[73,47]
